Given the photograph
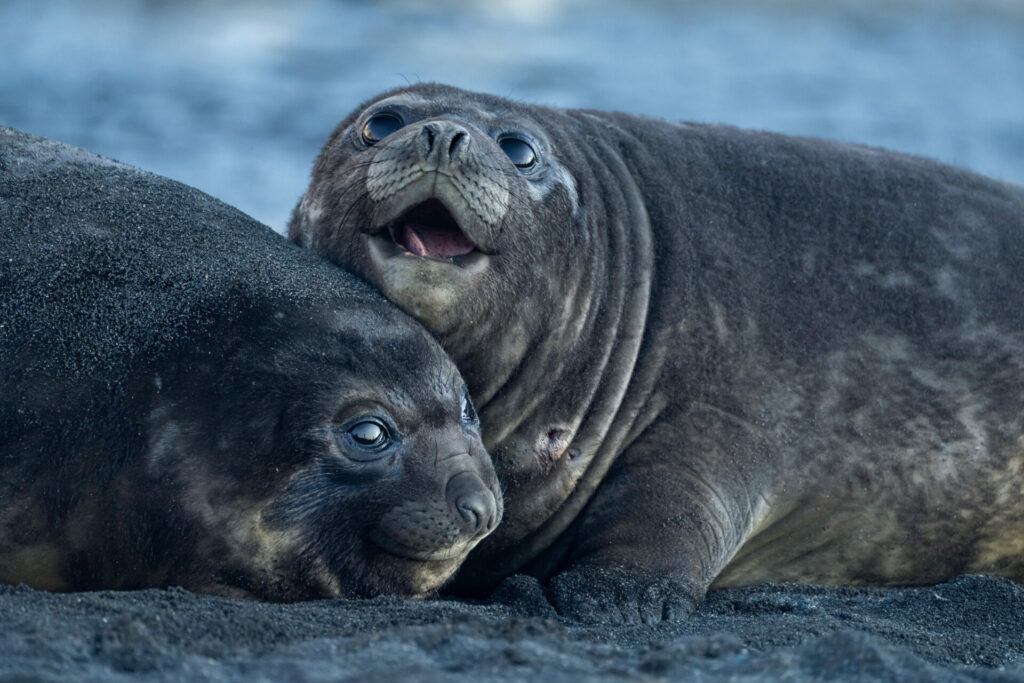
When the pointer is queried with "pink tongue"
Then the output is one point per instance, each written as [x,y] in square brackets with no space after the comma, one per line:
[426,240]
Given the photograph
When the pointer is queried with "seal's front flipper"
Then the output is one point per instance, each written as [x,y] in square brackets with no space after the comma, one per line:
[595,594]
[655,535]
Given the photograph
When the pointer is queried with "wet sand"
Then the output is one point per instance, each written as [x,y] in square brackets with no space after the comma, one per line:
[968,629]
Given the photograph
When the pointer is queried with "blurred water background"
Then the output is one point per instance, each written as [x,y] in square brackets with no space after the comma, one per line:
[236,97]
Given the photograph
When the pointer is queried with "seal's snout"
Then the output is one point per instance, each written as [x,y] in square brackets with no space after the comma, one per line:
[439,192]
[474,503]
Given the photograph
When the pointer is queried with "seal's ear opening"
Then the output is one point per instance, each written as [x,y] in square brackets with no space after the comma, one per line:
[429,229]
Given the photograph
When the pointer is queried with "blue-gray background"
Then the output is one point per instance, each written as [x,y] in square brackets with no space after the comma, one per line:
[236,97]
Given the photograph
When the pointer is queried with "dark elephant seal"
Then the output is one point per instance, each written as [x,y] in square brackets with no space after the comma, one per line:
[703,356]
[189,399]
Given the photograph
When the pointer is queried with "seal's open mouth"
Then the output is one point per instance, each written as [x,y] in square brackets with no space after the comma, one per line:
[429,229]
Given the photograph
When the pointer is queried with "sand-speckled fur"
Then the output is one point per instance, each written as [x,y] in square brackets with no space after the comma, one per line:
[176,382]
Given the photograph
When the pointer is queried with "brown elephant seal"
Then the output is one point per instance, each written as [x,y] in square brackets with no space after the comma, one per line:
[189,399]
[702,356]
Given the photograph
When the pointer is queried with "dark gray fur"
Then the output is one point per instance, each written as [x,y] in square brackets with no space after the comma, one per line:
[176,380]
[795,359]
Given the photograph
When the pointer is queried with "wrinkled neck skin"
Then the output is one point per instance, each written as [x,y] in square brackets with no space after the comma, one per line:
[553,372]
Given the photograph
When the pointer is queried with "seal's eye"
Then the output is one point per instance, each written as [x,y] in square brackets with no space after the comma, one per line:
[519,151]
[468,412]
[379,126]
[370,434]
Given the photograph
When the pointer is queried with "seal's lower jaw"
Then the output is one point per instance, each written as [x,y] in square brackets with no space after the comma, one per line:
[424,572]
[454,553]
[426,288]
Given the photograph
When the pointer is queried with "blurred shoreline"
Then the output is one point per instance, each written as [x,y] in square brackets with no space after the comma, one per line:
[236,98]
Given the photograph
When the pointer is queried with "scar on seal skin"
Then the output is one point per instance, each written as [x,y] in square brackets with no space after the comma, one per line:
[703,356]
[189,399]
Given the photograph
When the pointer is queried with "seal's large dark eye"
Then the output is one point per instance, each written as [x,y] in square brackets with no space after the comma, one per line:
[379,126]
[519,151]
[370,434]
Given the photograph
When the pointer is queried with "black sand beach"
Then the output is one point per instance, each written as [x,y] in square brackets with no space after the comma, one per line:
[968,629]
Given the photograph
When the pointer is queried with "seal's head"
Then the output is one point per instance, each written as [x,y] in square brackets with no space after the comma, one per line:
[320,453]
[444,199]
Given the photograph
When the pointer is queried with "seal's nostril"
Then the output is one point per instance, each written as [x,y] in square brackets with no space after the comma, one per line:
[471,516]
[427,139]
[492,521]
[458,142]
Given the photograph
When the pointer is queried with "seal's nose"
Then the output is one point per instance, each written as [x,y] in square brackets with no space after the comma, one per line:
[477,510]
[474,502]
[443,139]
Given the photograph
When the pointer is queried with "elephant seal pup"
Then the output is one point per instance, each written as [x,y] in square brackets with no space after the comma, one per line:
[189,399]
[702,356]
